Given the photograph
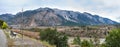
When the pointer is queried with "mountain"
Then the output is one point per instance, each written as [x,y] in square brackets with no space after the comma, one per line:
[51,17]
[6,17]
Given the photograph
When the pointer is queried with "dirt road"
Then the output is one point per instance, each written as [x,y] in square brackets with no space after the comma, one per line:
[3,39]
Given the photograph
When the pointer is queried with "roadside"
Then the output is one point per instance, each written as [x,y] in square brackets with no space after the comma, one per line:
[18,41]
[3,39]
[33,36]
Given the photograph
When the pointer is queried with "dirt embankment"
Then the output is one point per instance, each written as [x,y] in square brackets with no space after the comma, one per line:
[27,33]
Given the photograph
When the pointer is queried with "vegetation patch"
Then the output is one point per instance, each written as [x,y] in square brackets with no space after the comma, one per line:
[54,38]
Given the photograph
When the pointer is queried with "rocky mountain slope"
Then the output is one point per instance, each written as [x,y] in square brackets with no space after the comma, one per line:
[51,17]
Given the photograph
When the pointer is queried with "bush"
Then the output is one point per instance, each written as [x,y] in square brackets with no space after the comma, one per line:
[103,45]
[3,24]
[54,37]
[113,38]
[86,43]
[77,40]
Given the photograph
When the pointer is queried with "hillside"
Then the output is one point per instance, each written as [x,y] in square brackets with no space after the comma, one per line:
[52,17]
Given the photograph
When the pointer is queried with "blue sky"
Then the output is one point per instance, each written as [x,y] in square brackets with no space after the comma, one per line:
[104,8]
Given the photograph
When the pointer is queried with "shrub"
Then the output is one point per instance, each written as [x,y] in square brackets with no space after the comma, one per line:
[54,37]
[113,38]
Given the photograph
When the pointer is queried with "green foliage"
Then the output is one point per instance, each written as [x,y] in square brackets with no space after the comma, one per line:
[61,41]
[83,43]
[91,43]
[3,24]
[103,45]
[77,40]
[86,43]
[54,38]
[113,38]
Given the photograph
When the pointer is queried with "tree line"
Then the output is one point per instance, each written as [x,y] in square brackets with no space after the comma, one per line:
[111,40]
[60,39]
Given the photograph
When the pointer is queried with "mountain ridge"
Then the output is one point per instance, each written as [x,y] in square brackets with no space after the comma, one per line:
[52,17]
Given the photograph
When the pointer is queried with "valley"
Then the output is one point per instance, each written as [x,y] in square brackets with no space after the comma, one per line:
[48,27]
[84,32]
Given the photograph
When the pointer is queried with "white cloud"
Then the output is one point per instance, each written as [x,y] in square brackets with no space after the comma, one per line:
[13,2]
[105,8]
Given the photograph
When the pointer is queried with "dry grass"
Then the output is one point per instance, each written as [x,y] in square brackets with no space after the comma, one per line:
[28,33]
[10,41]
[34,36]
[47,44]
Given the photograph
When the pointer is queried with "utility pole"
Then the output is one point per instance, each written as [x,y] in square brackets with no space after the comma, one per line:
[22,22]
